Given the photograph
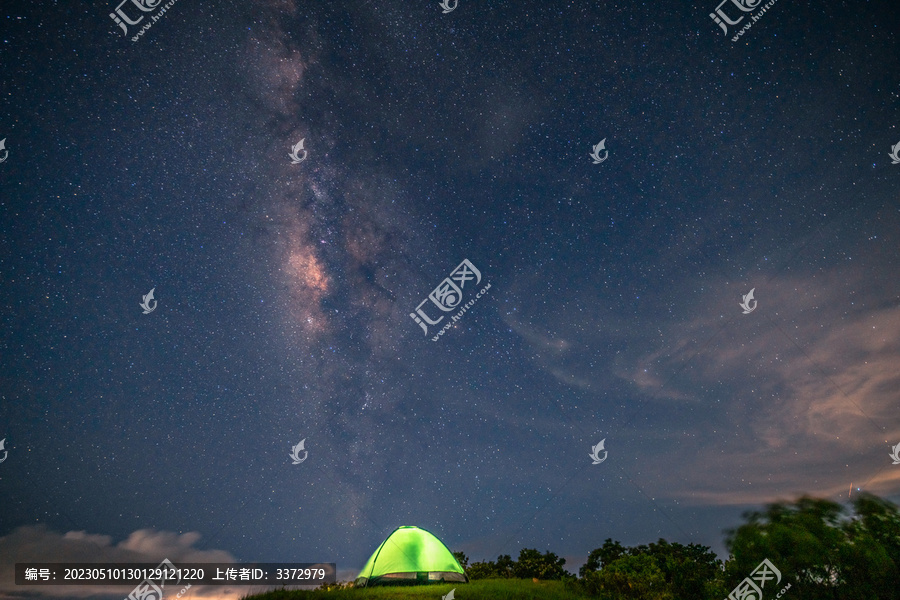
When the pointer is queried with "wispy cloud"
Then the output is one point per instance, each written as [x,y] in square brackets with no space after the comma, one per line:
[798,397]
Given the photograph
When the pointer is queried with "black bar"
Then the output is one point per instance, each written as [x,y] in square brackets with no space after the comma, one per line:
[183,574]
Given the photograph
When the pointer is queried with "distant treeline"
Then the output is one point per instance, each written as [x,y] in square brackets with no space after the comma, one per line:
[822,551]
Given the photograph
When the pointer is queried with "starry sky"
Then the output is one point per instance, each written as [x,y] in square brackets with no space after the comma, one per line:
[283,289]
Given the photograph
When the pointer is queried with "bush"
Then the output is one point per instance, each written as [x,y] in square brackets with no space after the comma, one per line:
[628,578]
[503,568]
[337,585]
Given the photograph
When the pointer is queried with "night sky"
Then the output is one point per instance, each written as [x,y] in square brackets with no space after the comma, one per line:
[284,289]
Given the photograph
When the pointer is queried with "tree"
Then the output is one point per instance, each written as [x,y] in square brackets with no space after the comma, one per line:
[533,564]
[603,555]
[826,552]
[462,559]
[871,561]
[482,570]
[690,572]
[503,568]
[881,520]
[686,569]
[822,551]
[628,578]
[802,542]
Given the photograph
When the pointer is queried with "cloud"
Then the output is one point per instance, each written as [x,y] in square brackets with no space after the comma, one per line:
[40,544]
[812,400]
[797,397]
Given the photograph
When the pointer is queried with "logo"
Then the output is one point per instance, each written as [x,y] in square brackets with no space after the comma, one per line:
[449,596]
[445,4]
[743,5]
[895,153]
[295,452]
[5,452]
[596,153]
[6,152]
[746,303]
[142,5]
[751,587]
[146,303]
[448,295]
[895,455]
[152,588]
[595,452]
[296,160]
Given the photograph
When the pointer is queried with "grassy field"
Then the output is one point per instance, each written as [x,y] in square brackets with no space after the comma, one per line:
[482,589]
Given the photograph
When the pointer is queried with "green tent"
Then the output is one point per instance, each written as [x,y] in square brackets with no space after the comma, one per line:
[411,556]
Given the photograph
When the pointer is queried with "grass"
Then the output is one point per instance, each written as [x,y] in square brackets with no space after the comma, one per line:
[481,589]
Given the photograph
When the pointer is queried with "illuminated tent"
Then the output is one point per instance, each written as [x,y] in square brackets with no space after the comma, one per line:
[411,556]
